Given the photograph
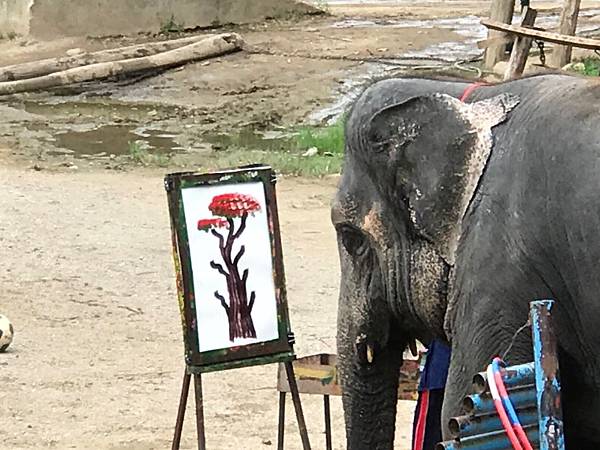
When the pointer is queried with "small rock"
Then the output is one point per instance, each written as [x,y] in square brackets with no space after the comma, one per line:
[153,113]
[74,51]
[37,168]
[382,50]
[575,67]
[112,156]
[311,152]
[267,442]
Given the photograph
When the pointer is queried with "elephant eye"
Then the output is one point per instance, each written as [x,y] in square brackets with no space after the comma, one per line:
[355,242]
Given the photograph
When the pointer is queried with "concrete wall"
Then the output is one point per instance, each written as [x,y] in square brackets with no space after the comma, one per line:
[14,16]
[56,18]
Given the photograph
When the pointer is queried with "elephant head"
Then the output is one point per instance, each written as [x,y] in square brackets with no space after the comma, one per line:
[411,169]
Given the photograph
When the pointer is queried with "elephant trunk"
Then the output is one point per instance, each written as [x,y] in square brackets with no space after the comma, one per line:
[369,376]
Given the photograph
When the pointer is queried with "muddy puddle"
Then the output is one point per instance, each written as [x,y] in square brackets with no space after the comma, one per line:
[85,130]
[114,140]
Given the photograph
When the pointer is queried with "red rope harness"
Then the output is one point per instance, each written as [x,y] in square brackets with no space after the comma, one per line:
[469,90]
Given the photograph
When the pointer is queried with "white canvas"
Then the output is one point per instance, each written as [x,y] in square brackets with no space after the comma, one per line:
[213,323]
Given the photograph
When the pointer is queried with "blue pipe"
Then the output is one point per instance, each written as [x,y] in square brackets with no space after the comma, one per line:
[513,376]
[547,376]
[466,426]
[496,440]
[479,404]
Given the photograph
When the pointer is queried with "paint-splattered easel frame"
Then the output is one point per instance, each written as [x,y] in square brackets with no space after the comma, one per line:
[248,355]
[275,351]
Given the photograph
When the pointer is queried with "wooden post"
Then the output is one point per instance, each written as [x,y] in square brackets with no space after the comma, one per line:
[502,11]
[521,47]
[547,376]
[561,54]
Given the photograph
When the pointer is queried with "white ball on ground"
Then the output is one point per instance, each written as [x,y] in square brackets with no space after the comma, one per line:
[6,333]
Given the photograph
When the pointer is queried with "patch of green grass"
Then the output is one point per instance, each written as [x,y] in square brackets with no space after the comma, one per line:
[288,155]
[140,155]
[171,26]
[326,140]
[11,35]
[589,66]
[287,163]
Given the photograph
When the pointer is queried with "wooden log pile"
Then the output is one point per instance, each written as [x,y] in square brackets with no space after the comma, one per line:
[125,61]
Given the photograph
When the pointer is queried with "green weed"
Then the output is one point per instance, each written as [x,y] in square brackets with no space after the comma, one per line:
[589,66]
[140,155]
[171,26]
[136,152]
[11,35]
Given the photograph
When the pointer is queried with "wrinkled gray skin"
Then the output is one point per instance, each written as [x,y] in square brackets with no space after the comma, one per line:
[439,239]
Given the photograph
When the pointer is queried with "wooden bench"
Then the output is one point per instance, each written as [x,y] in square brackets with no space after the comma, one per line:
[318,375]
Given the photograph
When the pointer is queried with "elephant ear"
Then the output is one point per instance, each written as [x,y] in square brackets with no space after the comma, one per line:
[433,149]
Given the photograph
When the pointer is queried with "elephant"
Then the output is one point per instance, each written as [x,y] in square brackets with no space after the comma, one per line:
[451,217]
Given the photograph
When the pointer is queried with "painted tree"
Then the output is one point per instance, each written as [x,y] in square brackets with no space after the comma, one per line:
[231,213]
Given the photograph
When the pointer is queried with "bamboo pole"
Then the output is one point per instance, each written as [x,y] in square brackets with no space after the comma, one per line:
[575,41]
[502,11]
[210,47]
[561,54]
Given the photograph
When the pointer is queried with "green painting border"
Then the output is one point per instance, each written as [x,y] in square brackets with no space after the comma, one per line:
[278,350]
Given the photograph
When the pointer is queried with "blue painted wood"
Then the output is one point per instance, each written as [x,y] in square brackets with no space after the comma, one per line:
[547,377]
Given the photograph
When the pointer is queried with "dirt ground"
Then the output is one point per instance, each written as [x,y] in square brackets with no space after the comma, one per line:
[87,280]
[86,273]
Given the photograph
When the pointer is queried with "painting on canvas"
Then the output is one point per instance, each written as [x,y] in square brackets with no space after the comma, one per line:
[230,250]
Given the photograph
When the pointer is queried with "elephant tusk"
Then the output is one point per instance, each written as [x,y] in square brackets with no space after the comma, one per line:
[370,353]
[412,345]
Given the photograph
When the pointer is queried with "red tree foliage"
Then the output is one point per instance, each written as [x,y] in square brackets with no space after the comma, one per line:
[233,205]
[209,224]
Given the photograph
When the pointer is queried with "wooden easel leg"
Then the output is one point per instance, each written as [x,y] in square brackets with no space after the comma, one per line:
[289,369]
[199,412]
[281,425]
[185,390]
[327,409]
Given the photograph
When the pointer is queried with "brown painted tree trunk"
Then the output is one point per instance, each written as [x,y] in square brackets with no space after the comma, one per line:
[239,309]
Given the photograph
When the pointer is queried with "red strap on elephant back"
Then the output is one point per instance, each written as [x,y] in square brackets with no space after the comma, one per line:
[469,90]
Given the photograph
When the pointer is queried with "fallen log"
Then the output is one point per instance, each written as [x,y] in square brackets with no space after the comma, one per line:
[47,66]
[206,48]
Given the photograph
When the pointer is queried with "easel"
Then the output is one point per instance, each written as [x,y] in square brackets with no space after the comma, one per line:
[233,209]
[185,389]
